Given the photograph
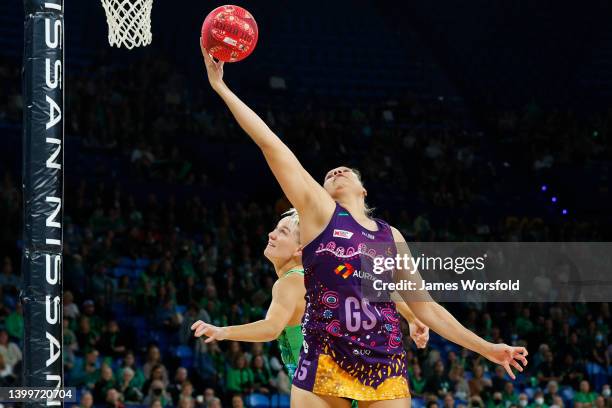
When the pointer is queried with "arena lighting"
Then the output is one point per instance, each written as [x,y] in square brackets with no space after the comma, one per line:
[544,187]
[564,212]
[554,199]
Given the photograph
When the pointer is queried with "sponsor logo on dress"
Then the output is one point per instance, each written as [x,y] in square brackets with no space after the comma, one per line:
[367,235]
[345,269]
[342,234]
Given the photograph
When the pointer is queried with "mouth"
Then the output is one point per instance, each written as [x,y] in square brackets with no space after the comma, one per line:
[271,245]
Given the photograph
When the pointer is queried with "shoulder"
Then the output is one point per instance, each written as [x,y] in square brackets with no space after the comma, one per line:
[291,283]
[397,235]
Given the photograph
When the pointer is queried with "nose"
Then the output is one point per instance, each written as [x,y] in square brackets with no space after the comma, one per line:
[272,235]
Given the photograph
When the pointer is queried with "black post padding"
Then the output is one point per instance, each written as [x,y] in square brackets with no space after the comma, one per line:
[43,179]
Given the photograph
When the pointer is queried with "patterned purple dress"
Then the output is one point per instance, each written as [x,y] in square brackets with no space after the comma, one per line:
[352,345]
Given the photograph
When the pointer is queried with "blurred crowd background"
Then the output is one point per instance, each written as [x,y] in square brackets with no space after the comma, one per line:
[168,203]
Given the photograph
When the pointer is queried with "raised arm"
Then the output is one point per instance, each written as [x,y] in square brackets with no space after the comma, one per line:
[443,323]
[285,295]
[303,191]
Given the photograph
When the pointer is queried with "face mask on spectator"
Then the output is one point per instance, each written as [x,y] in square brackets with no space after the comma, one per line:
[523,403]
[605,392]
[539,401]
[599,337]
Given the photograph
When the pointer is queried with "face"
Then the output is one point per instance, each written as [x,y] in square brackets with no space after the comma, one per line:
[237,402]
[86,400]
[128,375]
[92,357]
[341,181]
[181,374]
[157,373]
[153,354]
[283,241]
[157,387]
[107,373]
[113,327]
[112,395]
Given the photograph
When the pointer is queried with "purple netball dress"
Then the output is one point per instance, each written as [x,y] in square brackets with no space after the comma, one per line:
[352,345]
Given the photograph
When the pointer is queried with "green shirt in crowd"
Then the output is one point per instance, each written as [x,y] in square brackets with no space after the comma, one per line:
[239,379]
[585,397]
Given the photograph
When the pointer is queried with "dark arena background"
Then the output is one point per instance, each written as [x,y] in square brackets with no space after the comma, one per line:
[469,121]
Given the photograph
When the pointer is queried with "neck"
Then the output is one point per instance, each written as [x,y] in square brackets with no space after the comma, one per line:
[355,206]
[282,269]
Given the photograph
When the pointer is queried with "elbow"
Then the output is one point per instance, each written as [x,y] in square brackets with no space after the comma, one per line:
[272,331]
[275,332]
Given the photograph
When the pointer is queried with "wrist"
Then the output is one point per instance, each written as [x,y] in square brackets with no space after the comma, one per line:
[224,333]
[486,348]
[219,87]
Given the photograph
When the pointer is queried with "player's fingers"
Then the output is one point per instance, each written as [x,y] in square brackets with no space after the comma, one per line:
[522,350]
[509,370]
[196,324]
[522,359]
[520,353]
[207,58]
[516,365]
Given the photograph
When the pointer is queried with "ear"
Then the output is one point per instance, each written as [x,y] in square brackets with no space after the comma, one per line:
[298,252]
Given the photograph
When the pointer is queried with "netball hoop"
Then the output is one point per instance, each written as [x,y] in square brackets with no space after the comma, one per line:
[129,22]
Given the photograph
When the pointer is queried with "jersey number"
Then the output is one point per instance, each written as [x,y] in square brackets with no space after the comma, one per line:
[303,370]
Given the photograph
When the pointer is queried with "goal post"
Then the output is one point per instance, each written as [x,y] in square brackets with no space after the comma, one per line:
[43,195]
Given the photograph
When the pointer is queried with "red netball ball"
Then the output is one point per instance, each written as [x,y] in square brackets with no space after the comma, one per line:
[229,33]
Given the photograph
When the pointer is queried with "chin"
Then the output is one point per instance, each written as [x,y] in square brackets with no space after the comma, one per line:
[268,252]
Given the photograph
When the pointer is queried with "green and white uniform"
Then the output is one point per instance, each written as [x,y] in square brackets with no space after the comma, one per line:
[291,339]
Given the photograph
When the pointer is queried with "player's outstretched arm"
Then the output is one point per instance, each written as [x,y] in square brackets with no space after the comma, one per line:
[304,193]
[443,323]
[285,295]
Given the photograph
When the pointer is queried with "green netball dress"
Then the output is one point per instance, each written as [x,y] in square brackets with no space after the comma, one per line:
[290,340]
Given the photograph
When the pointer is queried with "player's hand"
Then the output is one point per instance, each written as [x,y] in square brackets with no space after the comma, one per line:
[214,69]
[419,333]
[508,357]
[208,330]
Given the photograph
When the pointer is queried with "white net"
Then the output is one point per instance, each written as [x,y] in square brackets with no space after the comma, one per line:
[129,22]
